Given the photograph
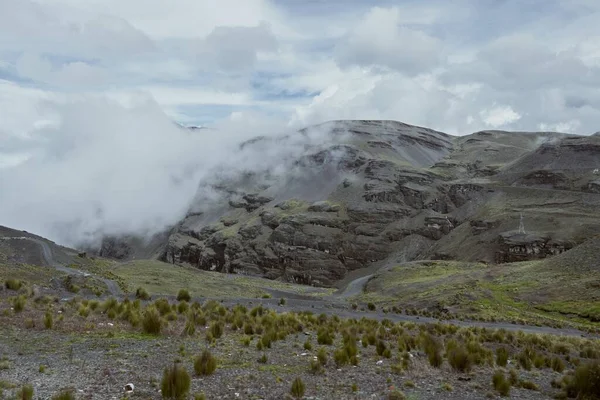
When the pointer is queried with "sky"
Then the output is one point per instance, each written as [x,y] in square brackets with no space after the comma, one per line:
[89,90]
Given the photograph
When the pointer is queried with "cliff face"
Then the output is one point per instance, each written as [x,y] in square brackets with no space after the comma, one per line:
[383,190]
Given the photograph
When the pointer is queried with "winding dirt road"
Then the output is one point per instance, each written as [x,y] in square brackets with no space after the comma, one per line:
[334,304]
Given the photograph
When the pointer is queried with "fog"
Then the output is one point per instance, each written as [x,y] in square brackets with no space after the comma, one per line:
[89,166]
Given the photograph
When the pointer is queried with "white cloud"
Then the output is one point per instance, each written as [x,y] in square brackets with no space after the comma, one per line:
[499,116]
[379,39]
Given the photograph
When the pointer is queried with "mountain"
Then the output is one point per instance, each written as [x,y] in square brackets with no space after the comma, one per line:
[385,191]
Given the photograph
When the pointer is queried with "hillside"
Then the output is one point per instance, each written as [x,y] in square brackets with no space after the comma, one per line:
[380,190]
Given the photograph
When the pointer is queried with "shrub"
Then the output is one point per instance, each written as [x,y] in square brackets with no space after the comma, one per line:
[524,359]
[316,367]
[25,393]
[513,376]
[371,306]
[175,383]
[459,359]
[183,295]
[340,357]
[557,364]
[282,302]
[324,337]
[380,347]
[190,326]
[529,385]
[396,395]
[66,394]
[322,356]
[501,356]
[297,389]
[216,329]
[500,383]
[200,396]
[307,345]
[48,320]
[19,303]
[151,322]
[586,381]
[432,348]
[142,294]
[13,284]
[263,359]
[163,306]
[205,364]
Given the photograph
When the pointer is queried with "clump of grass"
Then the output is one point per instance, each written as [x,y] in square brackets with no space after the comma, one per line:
[282,301]
[183,295]
[501,356]
[322,356]
[216,329]
[183,307]
[151,321]
[324,336]
[459,359]
[525,358]
[66,394]
[557,364]
[585,383]
[190,326]
[307,345]
[199,396]
[447,387]
[163,306]
[25,393]
[142,294]
[175,382]
[315,367]
[298,388]
[500,383]
[205,364]
[19,303]
[529,385]
[432,348]
[48,320]
[13,284]
[395,394]
[371,306]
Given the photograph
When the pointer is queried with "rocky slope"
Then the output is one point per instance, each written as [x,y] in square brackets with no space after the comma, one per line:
[384,190]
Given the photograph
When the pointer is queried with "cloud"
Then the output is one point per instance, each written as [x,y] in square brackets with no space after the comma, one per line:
[70,74]
[121,166]
[380,39]
[236,48]
[499,116]
[30,26]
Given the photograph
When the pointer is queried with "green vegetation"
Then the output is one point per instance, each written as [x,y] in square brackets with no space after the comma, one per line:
[66,394]
[25,393]
[205,364]
[183,295]
[535,292]
[142,294]
[13,284]
[152,321]
[161,278]
[500,383]
[175,383]
[297,389]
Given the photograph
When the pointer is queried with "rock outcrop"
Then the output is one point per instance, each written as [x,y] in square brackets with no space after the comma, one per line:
[383,188]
